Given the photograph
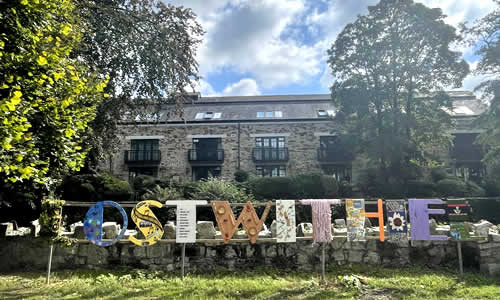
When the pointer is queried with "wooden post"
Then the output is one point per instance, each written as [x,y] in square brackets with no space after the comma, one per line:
[323,263]
[183,259]
[49,264]
[460,260]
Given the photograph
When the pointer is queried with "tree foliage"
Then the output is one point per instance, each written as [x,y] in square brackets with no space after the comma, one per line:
[47,99]
[148,49]
[391,68]
[485,35]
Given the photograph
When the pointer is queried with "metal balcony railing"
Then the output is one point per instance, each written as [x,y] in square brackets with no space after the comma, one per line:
[270,154]
[327,155]
[151,156]
[203,155]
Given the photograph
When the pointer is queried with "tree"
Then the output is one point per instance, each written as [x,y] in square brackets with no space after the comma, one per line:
[391,68]
[47,98]
[148,50]
[485,35]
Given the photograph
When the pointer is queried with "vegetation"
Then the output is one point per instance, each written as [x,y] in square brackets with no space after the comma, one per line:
[391,68]
[485,35]
[220,190]
[342,283]
[47,98]
[148,49]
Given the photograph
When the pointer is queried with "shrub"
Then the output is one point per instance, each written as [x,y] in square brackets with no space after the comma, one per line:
[218,189]
[115,189]
[240,176]
[267,188]
[419,188]
[492,186]
[162,194]
[451,187]
[474,190]
[313,186]
[439,173]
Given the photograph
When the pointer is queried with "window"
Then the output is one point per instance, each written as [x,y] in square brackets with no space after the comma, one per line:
[326,113]
[200,173]
[270,114]
[270,142]
[208,115]
[271,171]
[339,172]
[136,171]
[144,150]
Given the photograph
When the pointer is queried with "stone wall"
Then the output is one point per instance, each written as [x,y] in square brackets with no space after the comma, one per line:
[28,253]
[301,138]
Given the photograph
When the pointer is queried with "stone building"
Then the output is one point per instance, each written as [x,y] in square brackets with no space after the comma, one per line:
[278,135]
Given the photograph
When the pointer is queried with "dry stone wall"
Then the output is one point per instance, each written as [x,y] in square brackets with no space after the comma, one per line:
[29,253]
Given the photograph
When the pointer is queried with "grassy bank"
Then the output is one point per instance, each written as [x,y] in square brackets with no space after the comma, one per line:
[342,283]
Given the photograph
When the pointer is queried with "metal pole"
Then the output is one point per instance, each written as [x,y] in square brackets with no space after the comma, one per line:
[183,259]
[460,260]
[322,262]
[49,264]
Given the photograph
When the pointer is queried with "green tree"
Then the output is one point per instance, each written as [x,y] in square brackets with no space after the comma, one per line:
[47,99]
[391,68]
[148,49]
[485,35]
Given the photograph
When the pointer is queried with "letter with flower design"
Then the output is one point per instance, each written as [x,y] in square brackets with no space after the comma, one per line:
[397,221]
[285,221]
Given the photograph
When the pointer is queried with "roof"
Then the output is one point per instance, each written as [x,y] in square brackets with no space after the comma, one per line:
[292,107]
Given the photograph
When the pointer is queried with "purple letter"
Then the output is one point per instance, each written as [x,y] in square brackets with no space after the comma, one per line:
[419,214]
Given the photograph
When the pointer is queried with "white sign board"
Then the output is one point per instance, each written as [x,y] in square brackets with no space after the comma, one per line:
[285,221]
[186,220]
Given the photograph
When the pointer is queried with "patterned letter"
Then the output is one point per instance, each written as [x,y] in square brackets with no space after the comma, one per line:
[146,221]
[355,209]
[396,219]
[92,226]
[285,221]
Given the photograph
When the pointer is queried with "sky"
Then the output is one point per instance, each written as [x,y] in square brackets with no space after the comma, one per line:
[269,47]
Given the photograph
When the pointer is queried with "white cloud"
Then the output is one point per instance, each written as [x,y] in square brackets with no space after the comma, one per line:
[244,87]
[203,87]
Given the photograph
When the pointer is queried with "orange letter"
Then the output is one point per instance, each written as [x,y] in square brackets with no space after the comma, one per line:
[380,215]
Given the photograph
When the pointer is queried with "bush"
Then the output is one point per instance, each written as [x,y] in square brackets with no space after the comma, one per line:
[474,190]
[451,187]
[115,189]
[439,173]
[419,188]
[240,176]
[143,183]
[268,188]
[220,190]
[492,186]
[162,194]
[314,186]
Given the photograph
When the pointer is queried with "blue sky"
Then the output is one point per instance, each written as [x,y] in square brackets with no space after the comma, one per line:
[266,47]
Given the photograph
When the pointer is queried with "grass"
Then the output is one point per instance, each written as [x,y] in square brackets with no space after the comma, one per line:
[359,282]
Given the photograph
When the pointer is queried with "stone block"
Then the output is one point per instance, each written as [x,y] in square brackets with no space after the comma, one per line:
[494,237]
[338,255]
[6,229]
[433,226]
[205,230]
[35,228]
[355,256]
[372,258]
[274,226]
[304,230]
[97,255]
[482,228]
[78,232]
[340,223]
[492,269]
[169,231]
[154,251]
[110,230]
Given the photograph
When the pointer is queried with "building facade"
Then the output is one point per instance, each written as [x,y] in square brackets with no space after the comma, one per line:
[263,135]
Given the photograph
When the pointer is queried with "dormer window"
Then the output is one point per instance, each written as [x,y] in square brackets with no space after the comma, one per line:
[270,114]
[325,113]
[208,115]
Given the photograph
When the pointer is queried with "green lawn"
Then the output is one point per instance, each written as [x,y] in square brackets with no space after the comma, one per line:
[342,283]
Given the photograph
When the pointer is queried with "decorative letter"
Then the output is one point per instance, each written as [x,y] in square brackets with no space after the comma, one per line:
[355,219]
[147,223]
[321,218]
[248,217]
[458,213]
[92,226]
[185,232]
[380,215]
[285,221]
[419,217]
[396,218]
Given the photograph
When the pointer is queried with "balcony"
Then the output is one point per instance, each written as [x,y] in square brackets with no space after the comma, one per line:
[270,154]
[142,156]
[334,156]
[204,156]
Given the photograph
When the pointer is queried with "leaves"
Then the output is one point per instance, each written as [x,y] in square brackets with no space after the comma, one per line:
[391,68]
[39,103]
